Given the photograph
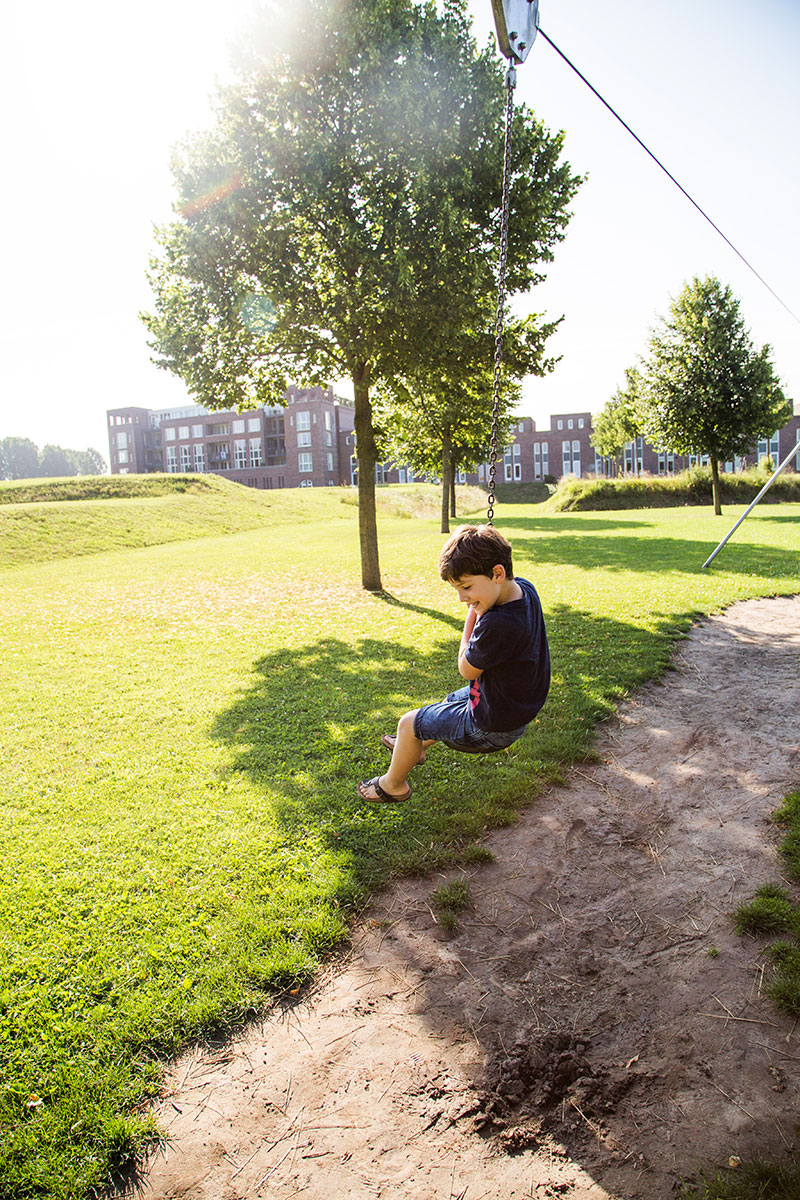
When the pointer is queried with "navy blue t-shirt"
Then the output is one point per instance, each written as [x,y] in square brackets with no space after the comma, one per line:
[509,644]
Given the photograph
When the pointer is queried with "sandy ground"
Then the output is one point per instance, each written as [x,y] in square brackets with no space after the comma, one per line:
[595,1030]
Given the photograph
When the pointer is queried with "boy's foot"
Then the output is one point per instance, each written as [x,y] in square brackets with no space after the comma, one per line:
[388,740]
[371,790]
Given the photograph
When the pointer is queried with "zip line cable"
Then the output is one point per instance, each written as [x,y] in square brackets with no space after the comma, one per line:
[669,174]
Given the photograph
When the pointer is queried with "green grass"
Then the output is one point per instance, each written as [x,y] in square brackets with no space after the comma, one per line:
[758,1180]
[774,910]
[65,518]
[183,725]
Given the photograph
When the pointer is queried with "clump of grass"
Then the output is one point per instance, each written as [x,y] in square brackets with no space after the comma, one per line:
[788,815]
[477,854]
[756,1180]
[450,900]
[774,910]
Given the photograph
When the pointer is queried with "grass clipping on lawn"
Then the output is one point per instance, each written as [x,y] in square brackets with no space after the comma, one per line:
[183,727]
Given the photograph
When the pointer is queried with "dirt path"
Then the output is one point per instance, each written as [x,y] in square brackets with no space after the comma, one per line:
[595,1030]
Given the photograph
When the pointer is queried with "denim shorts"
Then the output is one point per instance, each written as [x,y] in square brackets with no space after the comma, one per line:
[452,722]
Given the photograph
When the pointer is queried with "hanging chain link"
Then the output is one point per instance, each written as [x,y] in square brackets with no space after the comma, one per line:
[511,79]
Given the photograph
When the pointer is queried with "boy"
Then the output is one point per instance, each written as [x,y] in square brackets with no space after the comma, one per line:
[503,653]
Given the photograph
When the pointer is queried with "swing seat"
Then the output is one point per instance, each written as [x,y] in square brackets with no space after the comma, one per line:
[475,750]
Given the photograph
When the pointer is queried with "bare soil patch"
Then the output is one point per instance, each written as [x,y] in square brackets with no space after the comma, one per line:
[596,1029]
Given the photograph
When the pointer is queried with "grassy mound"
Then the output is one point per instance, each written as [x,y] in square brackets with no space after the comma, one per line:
[66,518]
[102,487]
[670,491]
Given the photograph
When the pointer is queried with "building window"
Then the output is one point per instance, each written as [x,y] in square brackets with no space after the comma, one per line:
[330,460]
[559,424]
[769,448]
[172,460]
[238,427]
[303,420]
[303,438]
[169,434]
[197,431]
[537,460]
[305,463]
[545,461]
[219,430]
[123,470]
[576,458]
[240,454]
[580,422]
[516,451]
[566,458]
[122,456]
[219,455]
[328,419]
[186,458]
[256,458]
[199,458]
[507,466]
[570,423]
[183,431]
[253,424]
[122,441]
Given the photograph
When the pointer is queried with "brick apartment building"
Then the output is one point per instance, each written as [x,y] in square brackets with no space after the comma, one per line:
[310,442]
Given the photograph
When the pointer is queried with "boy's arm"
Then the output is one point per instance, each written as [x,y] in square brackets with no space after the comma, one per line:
[465,667]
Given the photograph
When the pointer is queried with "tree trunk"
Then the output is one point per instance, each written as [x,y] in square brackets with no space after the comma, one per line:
[367,457]
[715,487]
[453,492]
[447,475]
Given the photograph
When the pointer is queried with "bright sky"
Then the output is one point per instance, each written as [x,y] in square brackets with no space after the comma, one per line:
[95,96]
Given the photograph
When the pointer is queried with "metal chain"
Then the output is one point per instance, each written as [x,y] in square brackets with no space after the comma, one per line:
[511,79]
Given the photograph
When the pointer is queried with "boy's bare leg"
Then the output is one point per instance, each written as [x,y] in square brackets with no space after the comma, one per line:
[405,755]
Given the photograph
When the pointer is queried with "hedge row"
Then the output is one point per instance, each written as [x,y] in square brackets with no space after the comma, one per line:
[671,491]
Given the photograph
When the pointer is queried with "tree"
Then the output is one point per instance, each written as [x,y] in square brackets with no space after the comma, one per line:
[20,458]
[443,423]
[708,390]
[87,462]
[341,218]
[55,462]
[621,420]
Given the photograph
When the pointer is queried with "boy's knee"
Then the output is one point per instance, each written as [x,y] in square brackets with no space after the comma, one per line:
[406,722]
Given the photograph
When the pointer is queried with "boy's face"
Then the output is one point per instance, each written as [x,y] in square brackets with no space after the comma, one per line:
[480,592]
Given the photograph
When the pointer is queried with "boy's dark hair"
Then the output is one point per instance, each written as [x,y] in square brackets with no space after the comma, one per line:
[475,550]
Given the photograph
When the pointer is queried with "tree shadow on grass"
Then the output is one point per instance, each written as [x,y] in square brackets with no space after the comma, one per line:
[307,726]
[651,554]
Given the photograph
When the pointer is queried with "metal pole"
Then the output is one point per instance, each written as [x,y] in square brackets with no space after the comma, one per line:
[748,510]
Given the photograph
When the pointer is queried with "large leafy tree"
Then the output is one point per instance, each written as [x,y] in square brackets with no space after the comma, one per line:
[443,423]
[340,221]
[708,389]
[20,458]
[621,420]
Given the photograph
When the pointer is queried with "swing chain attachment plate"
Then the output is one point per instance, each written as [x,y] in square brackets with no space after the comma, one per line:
[517,22]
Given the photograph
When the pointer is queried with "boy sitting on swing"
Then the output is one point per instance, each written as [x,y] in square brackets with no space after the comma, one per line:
[503,653]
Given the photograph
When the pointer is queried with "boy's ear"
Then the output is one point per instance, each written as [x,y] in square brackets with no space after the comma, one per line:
[498,573]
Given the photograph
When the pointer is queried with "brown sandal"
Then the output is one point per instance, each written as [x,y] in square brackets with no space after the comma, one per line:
[381,796]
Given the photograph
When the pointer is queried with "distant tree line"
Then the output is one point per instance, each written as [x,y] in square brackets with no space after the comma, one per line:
[20,458]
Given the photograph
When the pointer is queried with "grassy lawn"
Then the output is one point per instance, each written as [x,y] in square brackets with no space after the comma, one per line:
[183,725]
